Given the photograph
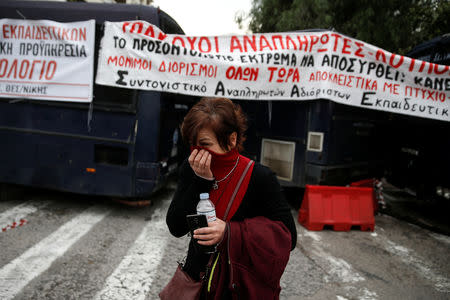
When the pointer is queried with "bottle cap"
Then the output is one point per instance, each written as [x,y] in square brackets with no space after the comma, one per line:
[204,196]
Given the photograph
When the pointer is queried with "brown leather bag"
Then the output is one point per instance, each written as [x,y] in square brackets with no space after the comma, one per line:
[182,286]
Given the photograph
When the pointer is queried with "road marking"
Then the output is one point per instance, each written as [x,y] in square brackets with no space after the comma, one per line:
[422,267]
[336,267]
[18,213]
[442,238]
[19,272]
[134,276]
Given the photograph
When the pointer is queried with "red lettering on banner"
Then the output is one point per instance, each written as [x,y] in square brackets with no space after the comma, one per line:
[436,69]
[235,44]
[290,41]
[345,80]
[314,40]
[302,42]
[422,66]
[208,44]
[140,26]
[13,67]
[411,65]
[283,74]
[251,43]
[150,32]
[191,41]
[28,33]
[280,39]
[391,88]
[32,67]
[162,67]
[239,73]
[346,46]
[359,51]
[21,69]
[216,42]
[336,39]
[425,94]
[5,31]
[162,36]
[40,32]
[391,61]
[189,69]
[264,43]
[178,38]
[24,68]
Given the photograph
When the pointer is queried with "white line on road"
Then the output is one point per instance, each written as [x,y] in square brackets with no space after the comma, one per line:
[421,266]
[133,278]
[19,212]
[442,238]
[336,268]
[19,272]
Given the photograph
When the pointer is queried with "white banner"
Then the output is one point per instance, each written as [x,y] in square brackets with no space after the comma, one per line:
[47,60]
[275,66]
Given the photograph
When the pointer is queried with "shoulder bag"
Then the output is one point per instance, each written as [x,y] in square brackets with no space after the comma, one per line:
[182,286]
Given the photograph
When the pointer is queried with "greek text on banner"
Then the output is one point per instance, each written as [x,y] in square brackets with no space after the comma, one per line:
[274,66]
[47,60]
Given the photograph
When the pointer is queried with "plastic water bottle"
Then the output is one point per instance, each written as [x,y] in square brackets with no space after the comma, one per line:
[206,207]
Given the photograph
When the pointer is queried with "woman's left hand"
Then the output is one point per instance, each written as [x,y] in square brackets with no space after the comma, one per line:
[212,234]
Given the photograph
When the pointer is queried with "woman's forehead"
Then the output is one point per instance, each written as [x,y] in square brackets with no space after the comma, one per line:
[205,133]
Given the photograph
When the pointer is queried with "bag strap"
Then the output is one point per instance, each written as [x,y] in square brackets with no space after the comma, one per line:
[237,188]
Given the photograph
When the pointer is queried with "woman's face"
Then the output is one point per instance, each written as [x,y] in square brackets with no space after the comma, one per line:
[207,138]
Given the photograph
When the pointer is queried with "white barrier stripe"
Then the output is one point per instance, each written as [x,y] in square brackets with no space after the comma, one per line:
[19,212]
[133,278]
[19,272]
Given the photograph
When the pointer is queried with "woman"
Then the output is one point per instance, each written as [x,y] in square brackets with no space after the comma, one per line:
[215,129]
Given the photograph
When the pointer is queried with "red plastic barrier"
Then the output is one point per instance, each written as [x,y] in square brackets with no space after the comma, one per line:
[339,207]
[377,192]
[363,183]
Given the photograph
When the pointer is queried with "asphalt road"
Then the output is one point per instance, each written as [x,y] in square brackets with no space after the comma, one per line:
[65,246]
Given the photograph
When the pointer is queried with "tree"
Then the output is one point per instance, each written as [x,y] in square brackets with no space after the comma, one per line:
[395,25]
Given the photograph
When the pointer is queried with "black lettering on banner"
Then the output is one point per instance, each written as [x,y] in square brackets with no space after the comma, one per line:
[121,74]
[295,91]
[220,89]
[365,98]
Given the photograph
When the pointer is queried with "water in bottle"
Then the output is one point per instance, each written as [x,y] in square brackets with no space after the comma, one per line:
[206,207]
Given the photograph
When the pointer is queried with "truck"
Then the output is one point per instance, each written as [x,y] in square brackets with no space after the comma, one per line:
[420,162]
[124,144]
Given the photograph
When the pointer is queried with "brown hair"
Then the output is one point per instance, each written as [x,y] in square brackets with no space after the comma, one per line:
[220,115]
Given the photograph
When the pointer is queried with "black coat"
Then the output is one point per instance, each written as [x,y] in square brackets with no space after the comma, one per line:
[263,198]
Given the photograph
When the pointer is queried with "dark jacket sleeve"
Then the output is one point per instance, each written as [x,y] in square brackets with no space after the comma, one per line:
[271,200]
[185,199]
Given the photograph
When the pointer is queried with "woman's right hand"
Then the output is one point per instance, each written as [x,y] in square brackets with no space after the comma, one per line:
[200,162]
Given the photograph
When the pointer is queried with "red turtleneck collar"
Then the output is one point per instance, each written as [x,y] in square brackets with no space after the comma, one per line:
[221,164]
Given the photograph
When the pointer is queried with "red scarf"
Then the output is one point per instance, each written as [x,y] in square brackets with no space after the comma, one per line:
[221,165]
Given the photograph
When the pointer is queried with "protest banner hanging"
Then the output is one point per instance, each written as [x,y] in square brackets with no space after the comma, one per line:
[275,66]
[47,60]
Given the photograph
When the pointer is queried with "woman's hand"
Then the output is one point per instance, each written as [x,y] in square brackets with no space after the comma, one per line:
[200,162]
[211,235]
